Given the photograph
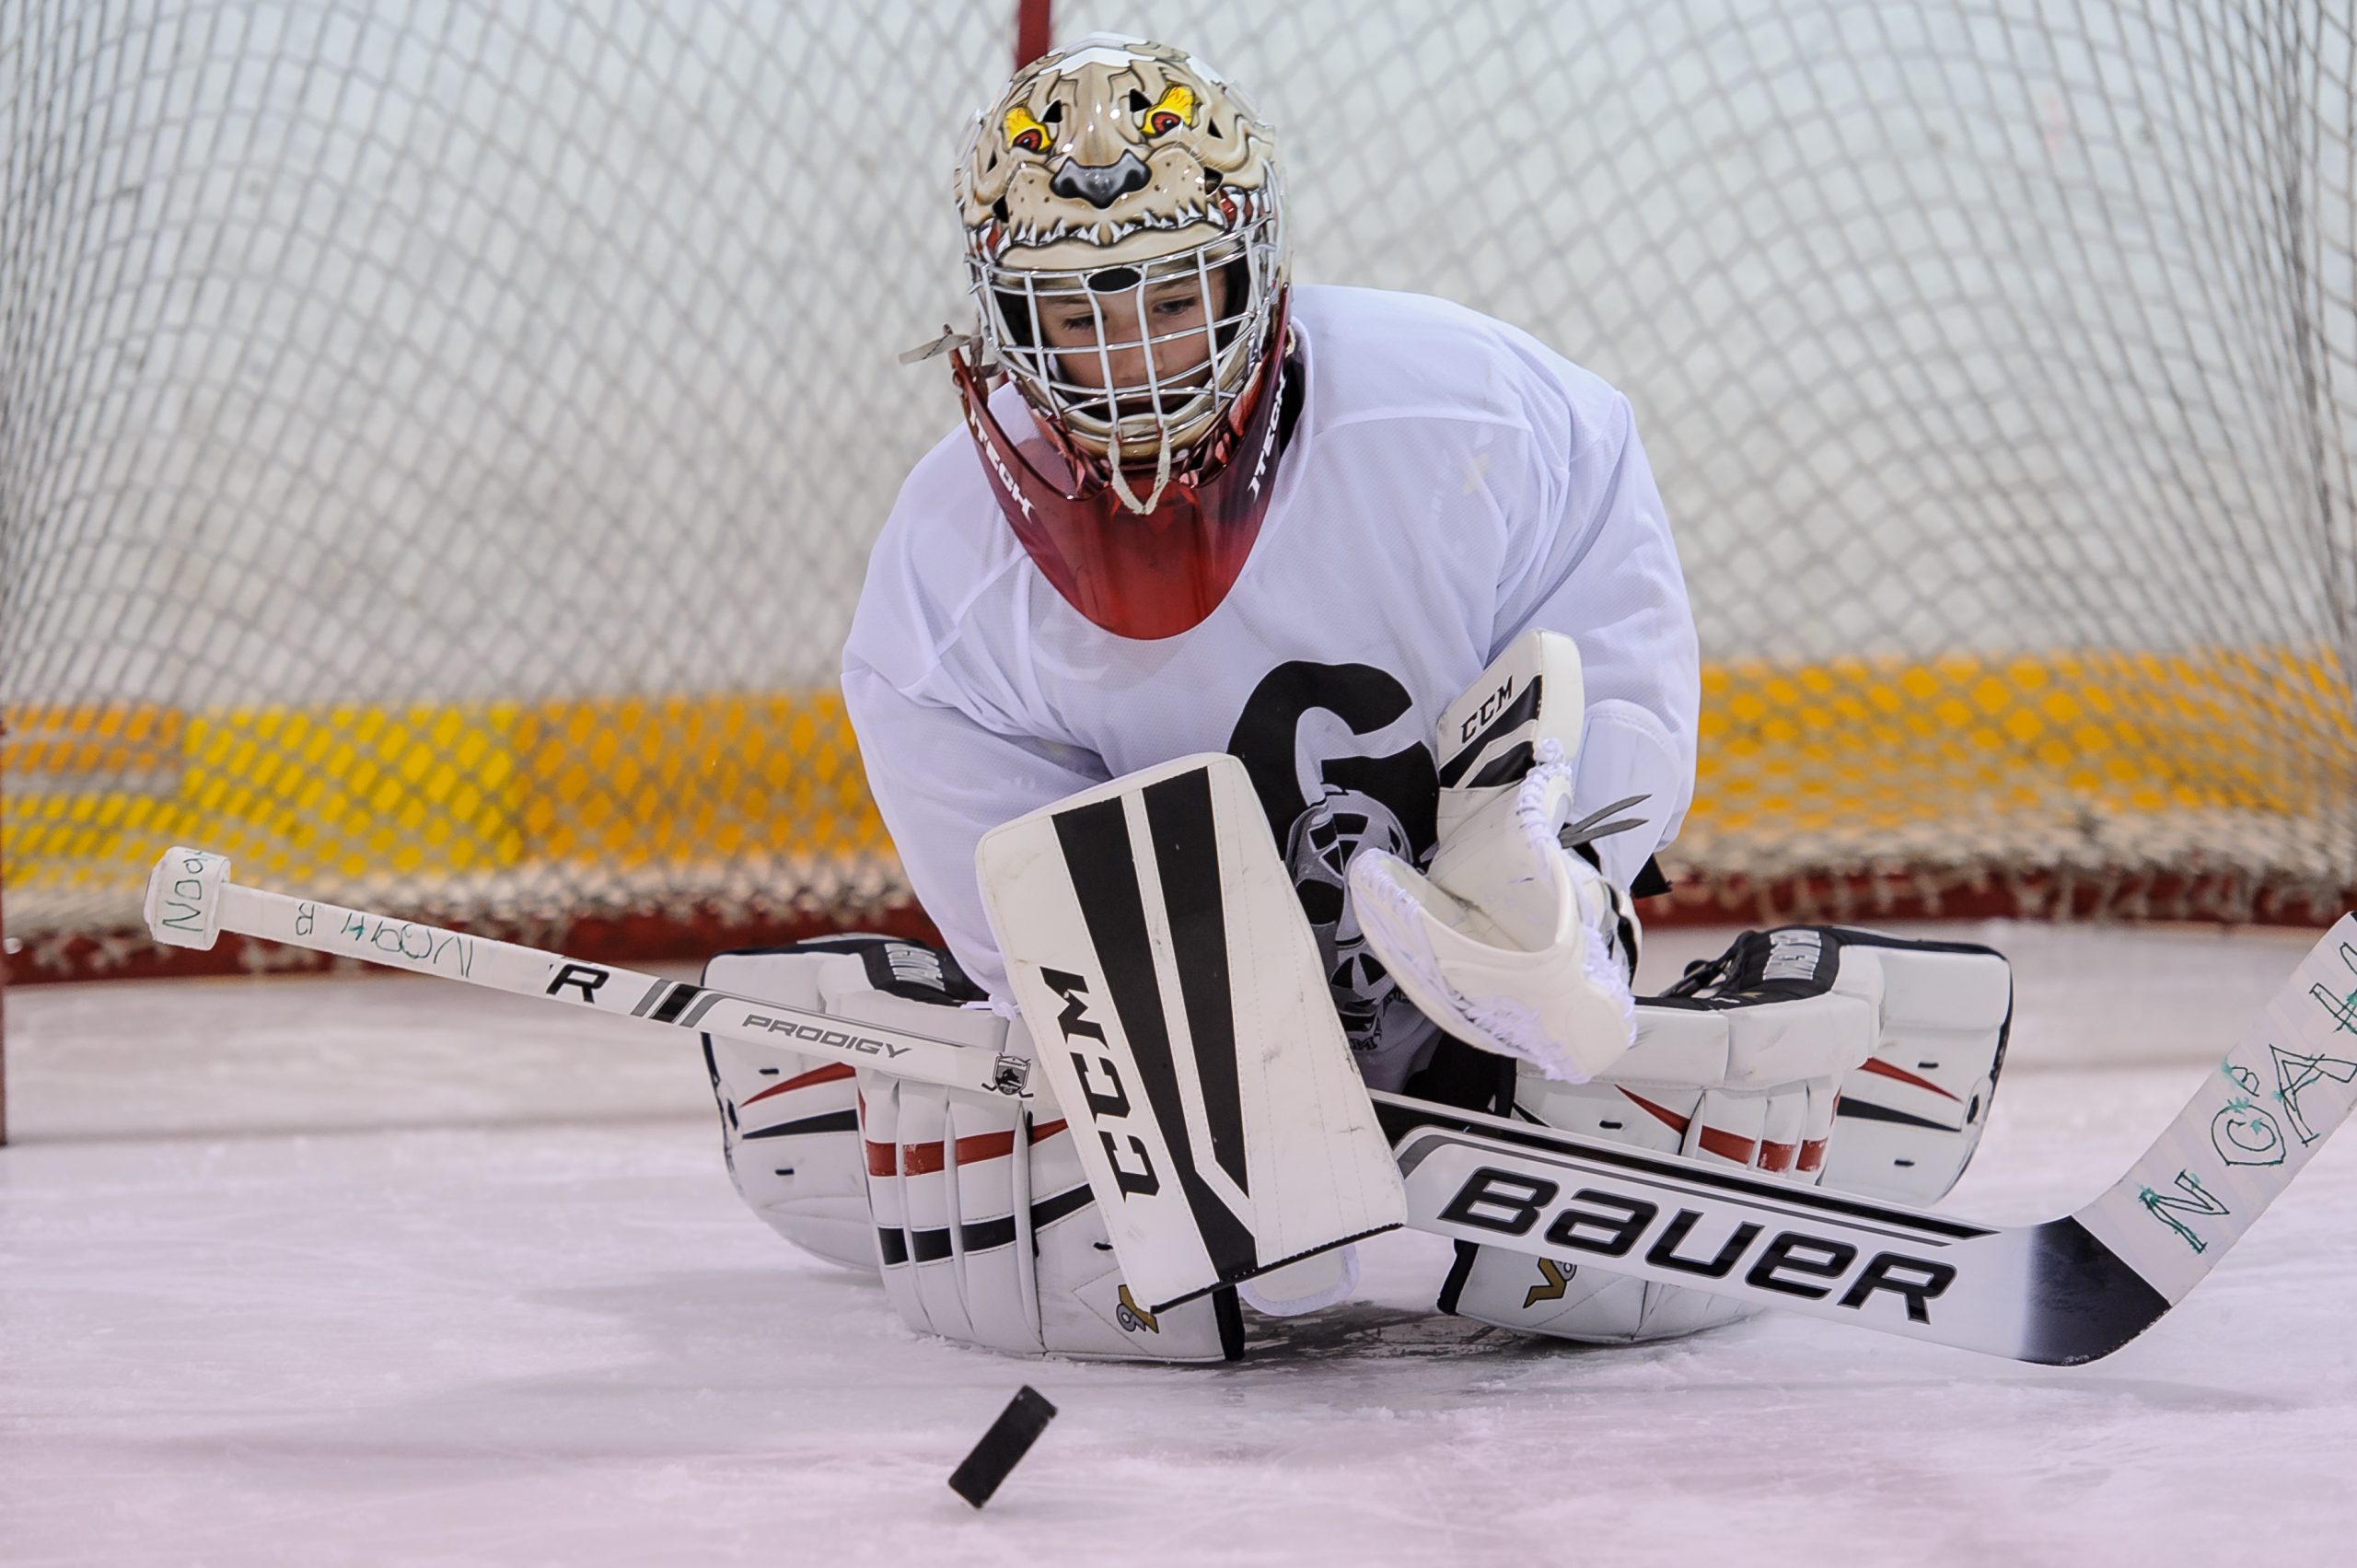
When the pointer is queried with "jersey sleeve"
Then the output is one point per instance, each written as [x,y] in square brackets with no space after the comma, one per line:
[1590,555]
[941,781]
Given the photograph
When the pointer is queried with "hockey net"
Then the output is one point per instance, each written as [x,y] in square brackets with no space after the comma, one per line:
[440,449]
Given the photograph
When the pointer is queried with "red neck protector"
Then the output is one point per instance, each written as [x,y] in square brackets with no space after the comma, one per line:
[1147,574]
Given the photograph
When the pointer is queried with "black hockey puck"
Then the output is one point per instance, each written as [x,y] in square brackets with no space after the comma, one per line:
[1010,1438]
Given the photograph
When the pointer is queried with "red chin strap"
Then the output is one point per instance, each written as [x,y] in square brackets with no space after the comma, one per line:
[1146,575]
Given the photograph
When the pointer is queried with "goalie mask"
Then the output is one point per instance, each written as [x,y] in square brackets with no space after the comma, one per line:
[1126,255]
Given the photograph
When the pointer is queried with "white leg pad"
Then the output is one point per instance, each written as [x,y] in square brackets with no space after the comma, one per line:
[1846,1058]
[789,1123]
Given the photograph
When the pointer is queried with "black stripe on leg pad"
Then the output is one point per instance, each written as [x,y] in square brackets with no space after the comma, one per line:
[1867,1111]
[986,1236]
[1095,839]
[1186,853]
[845,1120]
[1048,1211]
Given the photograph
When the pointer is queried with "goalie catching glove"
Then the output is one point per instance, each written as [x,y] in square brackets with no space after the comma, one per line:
[1514,940]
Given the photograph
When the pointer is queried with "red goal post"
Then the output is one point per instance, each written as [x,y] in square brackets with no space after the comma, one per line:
[442,447]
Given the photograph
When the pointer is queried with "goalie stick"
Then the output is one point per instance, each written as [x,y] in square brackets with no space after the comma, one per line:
[2061,1292]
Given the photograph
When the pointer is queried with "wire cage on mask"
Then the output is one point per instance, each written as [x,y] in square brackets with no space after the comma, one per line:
[1128,404]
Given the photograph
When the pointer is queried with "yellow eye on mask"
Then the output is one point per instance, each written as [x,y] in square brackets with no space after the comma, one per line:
[1175,108]
[1025,133]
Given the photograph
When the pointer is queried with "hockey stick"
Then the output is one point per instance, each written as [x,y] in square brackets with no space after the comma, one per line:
[2061,1292]
[2064,1292]
[190,901]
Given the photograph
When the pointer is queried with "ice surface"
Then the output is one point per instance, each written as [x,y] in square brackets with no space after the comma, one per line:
[380,1269]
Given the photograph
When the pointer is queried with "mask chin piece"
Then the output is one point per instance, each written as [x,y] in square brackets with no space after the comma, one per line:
[1118,480]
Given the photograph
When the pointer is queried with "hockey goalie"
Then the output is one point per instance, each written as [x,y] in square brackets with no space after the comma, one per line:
[1409,567]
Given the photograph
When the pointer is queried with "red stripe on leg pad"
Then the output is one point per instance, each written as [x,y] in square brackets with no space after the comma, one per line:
[825,1074]
[1776,1157]
[985,1146]
[1812,1154]
[1667,1116]
[1726,1145]
[923,1159]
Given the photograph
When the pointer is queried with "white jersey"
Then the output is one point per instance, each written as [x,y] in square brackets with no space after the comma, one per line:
[1450,483]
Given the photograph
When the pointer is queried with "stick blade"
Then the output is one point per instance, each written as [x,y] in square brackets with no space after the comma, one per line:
[2251,1128]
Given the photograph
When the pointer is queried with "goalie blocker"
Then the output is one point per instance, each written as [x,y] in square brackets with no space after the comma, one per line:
[1182,1020]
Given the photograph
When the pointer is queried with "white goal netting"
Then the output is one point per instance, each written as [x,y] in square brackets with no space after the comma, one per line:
[440,444]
